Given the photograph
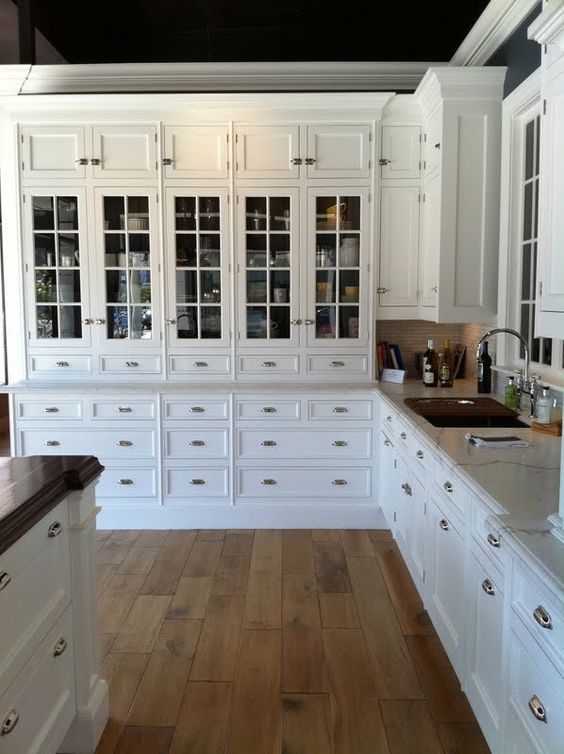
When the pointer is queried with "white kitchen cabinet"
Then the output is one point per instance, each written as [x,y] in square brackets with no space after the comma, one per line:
[194,152]
[338,151]
[400,152]
[429,264]
[432,142]
[271,152]
[124,152]
[399,246]
[54,152]
[386,486]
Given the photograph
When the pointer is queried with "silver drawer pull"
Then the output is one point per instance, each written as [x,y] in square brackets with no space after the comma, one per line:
[488,587]
[59,647]
[339,482]
[541,616]
[493,540]
[197,409]
[387,443]
[268,410]
[443,523]
[403,435]
[197,481]
[125,481]
[268,443]
[340,444]
[407,489]
[537,708]
[51,410]
[201,364]
[9,723]
[5,579]
[268,363]
[52,443]
[197,443]
[62,364]
[124,443]
[420,455]
[131,364]
[447,487]
[268,482]
[124,409]
[340,410]
[336,363]
[55,529]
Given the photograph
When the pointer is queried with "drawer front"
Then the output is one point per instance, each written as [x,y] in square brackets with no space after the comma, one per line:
[126,409]
[420,455]
[488,536]
[130,365]
[204,364]
[48,409]
[539,612]
[535,686]
[269,409]
[127,483]
[36,590]
[404,435]
[330,444]
[118,444]
[388,419]
[41,703]
[268,365]
[297,483]
[340,410]
[196,408]
[60,366]
[196,443]
[337,365]
[452,489]
[197,483]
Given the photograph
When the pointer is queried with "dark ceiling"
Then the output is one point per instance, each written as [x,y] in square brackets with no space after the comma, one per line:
[123,31]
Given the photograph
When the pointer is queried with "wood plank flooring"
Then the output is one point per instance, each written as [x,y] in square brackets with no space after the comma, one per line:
[272,642]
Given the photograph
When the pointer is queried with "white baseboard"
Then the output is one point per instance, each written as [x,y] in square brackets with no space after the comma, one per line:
[271,516]
[88,725]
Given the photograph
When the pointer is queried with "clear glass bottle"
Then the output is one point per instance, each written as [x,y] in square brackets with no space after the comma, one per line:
[430,365]
[543,406]
[446,366]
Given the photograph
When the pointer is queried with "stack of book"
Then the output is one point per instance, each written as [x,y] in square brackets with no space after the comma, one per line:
[388,356]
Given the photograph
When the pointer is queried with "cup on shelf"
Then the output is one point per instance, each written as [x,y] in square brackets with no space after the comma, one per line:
[280,295]
[349,252]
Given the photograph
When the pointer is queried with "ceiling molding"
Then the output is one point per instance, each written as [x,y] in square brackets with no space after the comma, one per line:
[460,82]
[498,22]
[548,27]
[223,77]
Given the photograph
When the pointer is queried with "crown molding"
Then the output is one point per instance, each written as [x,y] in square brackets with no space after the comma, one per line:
[548,28]
[12,78]
[460,82]
[498,21]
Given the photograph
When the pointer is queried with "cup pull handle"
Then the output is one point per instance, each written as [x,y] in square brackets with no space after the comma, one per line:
[447,487]
[268,443]
[268,363]
[124,443]
[197,409]
[124,409]
[340,444]
[197,481]
[131,364]
[5,579]
[542,617]
[125,481]
[60,647]
[62,363]
[537,708]
[268,410]
[9,723]
[339,482]
[197,443]
[268,482]
[55,529]
[201,364]
[340,410]
[493,540]
[336,363]
[52,443]
[51,410]
[488,587]
[443,523]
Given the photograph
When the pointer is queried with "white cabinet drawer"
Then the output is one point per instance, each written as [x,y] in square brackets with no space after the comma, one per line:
[196,408]
[453,490]
[125,409]
[115,444]
[337,410]
[59,366]
[48,409]
[41,703]
[127,483]
[130,365]
[196,482]
[404,435]
[488,536]
[269,365]
[337,365]
[269,409]
[388,419]
[204,364]
[420,456]
[296,483]
[536,690]
[330,444]
[196,443]
[36,589]
[540,614]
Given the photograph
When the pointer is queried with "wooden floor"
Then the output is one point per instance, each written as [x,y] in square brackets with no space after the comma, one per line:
[271,642]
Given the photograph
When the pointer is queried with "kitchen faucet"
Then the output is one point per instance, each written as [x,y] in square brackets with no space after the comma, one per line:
[524,383]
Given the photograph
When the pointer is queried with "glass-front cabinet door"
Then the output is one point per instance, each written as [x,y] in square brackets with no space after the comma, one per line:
[197,260]
[56,268]
[128,293]
[268,268]
[338,280]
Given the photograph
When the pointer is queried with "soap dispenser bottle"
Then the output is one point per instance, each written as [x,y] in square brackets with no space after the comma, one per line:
[511,396]
[543,406]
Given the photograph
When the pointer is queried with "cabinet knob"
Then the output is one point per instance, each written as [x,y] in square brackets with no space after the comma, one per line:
[59,647]
[383,161]
[447,487]
[382,290]
[309,321]
[336,363]
[197,481]
[51,410]
[9,723]
[124,409]
[55,529]
[131,364]
[197,409]
[62,363]
[542,617]
[493,540]
[52,443]
[268,410]
[443,523]
[5,579]
[340,444]
[171,321]
[124,443]
[95,161]
[538,709]
[125,481]
[197,443]
[339,482]
[268,482]
[201,364]
[420,455]
[296,322]
[268,443]
[488,587]
[268,363]
[167,161]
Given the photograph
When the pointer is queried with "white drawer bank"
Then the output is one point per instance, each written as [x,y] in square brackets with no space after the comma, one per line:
[52,698]
[240,457]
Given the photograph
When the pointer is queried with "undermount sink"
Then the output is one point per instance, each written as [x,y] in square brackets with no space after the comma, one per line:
[465,412]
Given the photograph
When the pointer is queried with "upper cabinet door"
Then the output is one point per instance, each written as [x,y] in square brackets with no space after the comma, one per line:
[401,152]
[430,248]
[399,245]
[338,152]
[195,152]
[53,152]
[433,142]
[267,151]
[124,152]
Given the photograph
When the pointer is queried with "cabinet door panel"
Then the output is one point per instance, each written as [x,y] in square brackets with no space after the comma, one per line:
[418,548]
[404,508]
[54,152]
[401,148]
[124,151]
[429,271]
[399,245]
[433,136]
[196,152]
[338,151]
[387,489]
[267,151]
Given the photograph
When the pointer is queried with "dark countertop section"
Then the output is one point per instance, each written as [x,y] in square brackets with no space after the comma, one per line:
[30,487]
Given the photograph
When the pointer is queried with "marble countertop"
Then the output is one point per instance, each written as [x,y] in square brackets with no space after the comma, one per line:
[520,486]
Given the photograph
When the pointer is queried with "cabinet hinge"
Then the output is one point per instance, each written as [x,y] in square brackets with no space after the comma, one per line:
[156,138]
[395,516]
[227,165]
[423,575]
[228,195]
[419,197]
[23,165]
[23,196]
[540,287]
[236,138]
[22,138]
[157,165]
[424,198]
[395,464]
[157,198]
[227,138]
[544,107]
[236,165]
[424,137]
[419,164]
[369,198]
[369,164]
[237,198]
[424,164]
[370,136]
[26,267]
